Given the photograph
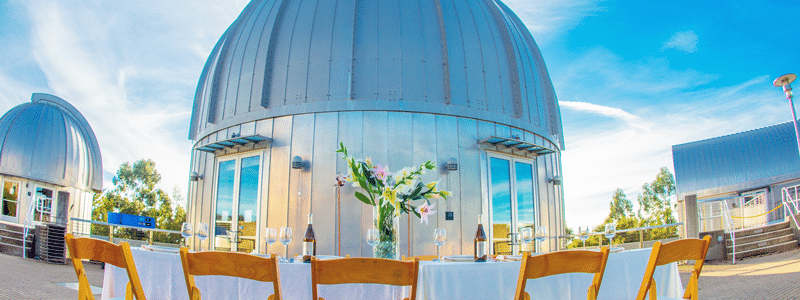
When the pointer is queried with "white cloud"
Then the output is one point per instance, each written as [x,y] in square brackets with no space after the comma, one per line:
[685,41]
[131,68]
[630,119]
[547,20]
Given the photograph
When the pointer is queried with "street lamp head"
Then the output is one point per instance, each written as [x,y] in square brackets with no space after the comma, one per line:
[784,79]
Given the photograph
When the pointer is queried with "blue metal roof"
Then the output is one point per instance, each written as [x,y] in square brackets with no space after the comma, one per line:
[737,162]
[472,59]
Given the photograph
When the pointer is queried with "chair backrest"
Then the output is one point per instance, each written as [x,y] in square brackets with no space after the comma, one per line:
[662,254]
[574,261]
[229,264]
[99,250]
[364,270]
[421,257]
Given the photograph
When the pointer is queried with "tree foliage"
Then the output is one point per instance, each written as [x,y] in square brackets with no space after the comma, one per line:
[655,208]
[135,192]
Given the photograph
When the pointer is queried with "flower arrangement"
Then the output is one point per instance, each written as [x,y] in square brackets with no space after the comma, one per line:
[391,194]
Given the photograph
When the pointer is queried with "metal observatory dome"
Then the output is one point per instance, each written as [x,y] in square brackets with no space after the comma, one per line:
[50,163]
[400,81]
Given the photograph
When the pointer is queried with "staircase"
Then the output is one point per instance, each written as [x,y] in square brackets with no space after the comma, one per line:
[11,240]
[760,240]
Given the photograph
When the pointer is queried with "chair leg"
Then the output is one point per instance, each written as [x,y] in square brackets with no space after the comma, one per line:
[653,292]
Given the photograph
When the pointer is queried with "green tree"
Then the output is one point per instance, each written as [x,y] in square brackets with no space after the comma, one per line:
[655,207]
[620,206]
[135,192]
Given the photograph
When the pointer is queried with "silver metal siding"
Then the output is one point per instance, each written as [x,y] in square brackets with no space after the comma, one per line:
[297,76]
[319,60]
[473,54]
[400,146]
[458,86]
[447,147]
[365,51]
[342,50]
[424,140]
[279,176]
[300,179]
[389,48]
[323,193]
[248,49]
[350,126]
[411,48]
[258,97]
[375,134]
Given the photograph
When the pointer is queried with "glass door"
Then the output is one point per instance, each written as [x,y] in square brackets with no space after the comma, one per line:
[43,201]
[512,203]
[10,201]
[236,209]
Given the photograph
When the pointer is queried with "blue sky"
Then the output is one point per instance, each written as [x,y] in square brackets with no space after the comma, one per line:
[633,78]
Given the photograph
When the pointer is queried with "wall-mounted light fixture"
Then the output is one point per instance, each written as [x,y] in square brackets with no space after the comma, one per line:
[195,177]
[297,162]
[556,180]
[451,165]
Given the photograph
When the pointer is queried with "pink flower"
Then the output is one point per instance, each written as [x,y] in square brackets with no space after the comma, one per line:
[424,210]
[380,172]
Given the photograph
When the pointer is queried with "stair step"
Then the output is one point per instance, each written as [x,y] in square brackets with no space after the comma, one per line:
[742,233]
[759,237]
[775,248]
[762,243]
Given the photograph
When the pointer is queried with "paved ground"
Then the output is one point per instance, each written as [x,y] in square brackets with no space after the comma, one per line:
[775,276]
[34,279]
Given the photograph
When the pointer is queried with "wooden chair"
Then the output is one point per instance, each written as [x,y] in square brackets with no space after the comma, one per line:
[229,264]
[421,257]
[662,254]
[364,270]
[574,261]
[110,253]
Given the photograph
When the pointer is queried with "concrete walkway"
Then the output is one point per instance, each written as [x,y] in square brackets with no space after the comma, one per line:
[774,276]
[34,279]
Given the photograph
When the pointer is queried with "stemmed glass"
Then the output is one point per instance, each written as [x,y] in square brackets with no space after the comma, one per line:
[271,237]
[439,238]
[186,232]
[611,231]
[202,233]
[286,238]
[583,234]
[525,235]
[541,235]
[372,237]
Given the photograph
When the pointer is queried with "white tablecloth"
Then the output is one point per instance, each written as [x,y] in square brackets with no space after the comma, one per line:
[162,278]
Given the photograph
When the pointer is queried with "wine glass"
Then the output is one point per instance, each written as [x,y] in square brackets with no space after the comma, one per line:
[439,238]
[583,234]
[202,233]
[286,238]
[541,234]
[372,237]
[611,231]
[270,237]
[186,232]
[525,235]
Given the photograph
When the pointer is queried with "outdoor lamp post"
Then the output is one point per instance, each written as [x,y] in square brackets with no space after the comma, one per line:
[785,82]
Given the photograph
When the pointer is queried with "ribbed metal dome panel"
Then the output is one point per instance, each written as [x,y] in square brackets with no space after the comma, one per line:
[50,141]
[464,58]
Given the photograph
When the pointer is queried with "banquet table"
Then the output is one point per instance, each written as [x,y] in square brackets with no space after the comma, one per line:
[161,275]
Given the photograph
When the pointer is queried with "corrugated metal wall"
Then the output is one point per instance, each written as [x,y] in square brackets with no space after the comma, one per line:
[395,138]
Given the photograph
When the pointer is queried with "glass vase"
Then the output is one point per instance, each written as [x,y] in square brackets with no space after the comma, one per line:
[388,225]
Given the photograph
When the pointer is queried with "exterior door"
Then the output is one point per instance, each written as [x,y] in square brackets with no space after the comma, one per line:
[236,207]
[43,205]
[10,201]
[512,203]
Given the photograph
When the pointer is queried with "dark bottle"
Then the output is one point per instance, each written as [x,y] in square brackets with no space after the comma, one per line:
[480,242]
[309,242]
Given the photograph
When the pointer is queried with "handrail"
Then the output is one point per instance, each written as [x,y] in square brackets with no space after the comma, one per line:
[625,230]
[730,228]
[787,207]
[125,226]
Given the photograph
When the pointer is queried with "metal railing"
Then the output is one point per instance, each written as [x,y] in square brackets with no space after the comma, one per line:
[641,231]
[730,228]
[84,228]
[790,203]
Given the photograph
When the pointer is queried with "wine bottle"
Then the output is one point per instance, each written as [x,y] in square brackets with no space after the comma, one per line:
[309,242]
[480,242]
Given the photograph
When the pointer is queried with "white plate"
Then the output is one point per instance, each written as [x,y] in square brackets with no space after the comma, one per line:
[509,257]
[157,248]
[320,257]
[459,258]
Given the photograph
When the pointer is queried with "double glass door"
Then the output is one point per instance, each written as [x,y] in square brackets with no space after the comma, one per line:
[512,203]
[10,201]
[236,209]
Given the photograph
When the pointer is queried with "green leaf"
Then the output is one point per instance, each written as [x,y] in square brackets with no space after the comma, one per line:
[363,198]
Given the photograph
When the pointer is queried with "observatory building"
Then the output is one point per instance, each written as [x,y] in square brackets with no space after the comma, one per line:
[50,167]
[459,83]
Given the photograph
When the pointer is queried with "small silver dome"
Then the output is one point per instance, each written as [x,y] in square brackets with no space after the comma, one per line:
[50,141]
[470,59]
